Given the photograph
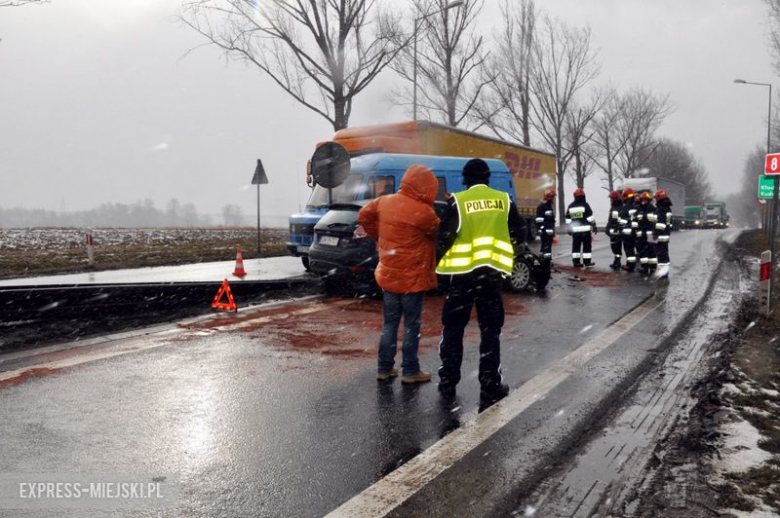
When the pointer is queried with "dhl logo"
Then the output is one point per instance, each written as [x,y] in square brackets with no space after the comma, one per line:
[523,166]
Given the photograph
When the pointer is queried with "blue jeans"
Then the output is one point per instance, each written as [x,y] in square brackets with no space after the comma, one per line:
[394,306]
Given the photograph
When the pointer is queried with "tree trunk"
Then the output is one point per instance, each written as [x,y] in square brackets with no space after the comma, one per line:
[561,196]
[340,119]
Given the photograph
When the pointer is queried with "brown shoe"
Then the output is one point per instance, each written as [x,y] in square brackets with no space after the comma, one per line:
[420,377]
[384,376]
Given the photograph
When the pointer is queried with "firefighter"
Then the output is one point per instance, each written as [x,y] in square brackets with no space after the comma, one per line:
[645,243]
[479,233]
[627,221]
[663,227]
[545,222]
[614,230]
[581,221]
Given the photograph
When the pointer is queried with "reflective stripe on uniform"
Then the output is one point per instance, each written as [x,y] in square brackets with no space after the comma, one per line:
[587,256]
[539,220]
[660,226]
[580,229]
[627,231]
[549,231]
[663,239]
[615,214]
[631,259]
[643,260]
[576,255]
[591,219]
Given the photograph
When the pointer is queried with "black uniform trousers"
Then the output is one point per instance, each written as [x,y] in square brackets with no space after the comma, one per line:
[546,248]
[581,241]
[629,246]
[662,249]
[616,243]
[483,288]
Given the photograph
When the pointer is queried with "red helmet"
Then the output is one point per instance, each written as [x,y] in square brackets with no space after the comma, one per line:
[579,192]
[628,192]
[614,195]
[645,196]
[661,195]
[549,194]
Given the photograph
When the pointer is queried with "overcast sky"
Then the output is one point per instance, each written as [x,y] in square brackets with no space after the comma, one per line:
[99,103]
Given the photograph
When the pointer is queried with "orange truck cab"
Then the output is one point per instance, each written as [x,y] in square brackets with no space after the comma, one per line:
[533,171]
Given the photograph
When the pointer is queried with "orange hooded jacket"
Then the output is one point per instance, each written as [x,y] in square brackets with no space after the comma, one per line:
[404,226]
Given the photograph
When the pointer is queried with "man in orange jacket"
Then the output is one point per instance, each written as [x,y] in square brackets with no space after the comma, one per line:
[404,226]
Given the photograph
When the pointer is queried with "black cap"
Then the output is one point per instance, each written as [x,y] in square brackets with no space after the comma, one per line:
[475,171]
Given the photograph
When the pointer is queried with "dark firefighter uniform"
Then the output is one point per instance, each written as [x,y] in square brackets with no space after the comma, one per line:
[477,238]
[545,222]
[645,240]
[614,229]
[628,224]
[663,227]
[579,217]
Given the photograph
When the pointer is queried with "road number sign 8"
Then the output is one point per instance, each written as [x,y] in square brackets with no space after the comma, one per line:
[773,164]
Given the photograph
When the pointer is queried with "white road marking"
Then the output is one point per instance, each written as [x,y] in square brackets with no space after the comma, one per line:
[80,357]
[400,485]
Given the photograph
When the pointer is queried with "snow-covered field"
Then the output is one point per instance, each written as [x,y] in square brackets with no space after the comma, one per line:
[34,251]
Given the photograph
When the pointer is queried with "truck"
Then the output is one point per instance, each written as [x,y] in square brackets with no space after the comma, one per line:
[715,215]
[694,216]
[675,191]
[533,171]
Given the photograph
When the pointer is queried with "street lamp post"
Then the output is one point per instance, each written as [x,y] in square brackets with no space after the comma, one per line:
[773,217]
[417,21]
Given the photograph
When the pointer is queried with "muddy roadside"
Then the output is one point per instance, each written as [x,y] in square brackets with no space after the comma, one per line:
[724,457]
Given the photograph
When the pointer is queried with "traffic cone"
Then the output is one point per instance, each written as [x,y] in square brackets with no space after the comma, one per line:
[555,240]
[239,271]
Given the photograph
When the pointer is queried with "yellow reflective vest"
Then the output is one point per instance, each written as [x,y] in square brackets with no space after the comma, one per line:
[483,235]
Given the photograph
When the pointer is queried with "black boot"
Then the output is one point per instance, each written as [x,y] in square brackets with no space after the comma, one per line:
[615,264]
[577,263]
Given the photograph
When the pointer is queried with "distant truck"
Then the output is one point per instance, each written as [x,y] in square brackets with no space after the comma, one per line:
[533,171]
[675,190]
[694,216]
[715,215]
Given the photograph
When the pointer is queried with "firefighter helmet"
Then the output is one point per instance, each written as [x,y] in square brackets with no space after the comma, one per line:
[579,192]
[614,195]
[645,196]
[628,192]
[549,194]
[661,195]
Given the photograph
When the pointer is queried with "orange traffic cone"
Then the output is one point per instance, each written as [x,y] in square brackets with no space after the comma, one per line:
[239,271]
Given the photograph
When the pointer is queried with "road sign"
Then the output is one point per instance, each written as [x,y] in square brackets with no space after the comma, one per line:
[259,177]
[772,164]
[766,187]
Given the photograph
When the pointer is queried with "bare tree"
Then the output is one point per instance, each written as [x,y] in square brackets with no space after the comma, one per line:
[564,63]
[743,205]
[608,139]
[319,51]
[673,160]
[642,114]
[580,132]
[232,215]
[506,107]
[450,55]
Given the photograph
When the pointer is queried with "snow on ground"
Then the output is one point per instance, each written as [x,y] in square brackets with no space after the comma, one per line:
[740,450]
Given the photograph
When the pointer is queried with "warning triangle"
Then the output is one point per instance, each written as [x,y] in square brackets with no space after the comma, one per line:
[230,305]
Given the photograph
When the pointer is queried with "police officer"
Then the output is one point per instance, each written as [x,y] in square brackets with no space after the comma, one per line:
[645,243]
[614,228]
[545,222]
[579,217]
[479,233]
[628,226]
[663,227]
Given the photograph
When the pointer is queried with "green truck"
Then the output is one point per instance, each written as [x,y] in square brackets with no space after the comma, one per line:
[694,217]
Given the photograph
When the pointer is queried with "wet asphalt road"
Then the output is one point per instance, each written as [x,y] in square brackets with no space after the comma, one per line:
[276,412]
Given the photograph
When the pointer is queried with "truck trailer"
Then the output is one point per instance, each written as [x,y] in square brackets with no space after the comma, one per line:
[675,190]
[715,215]
[533,171]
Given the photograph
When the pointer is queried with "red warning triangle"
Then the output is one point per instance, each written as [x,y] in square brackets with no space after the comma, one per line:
[230,305]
